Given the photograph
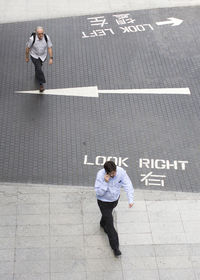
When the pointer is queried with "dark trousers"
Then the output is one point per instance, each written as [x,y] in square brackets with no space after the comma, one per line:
[38,70]
[106,222]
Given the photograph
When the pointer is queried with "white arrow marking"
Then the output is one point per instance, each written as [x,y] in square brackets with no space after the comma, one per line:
[148,91]
[94,92]
[78,91]
[172,21]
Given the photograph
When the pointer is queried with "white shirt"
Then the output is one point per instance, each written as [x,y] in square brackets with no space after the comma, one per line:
[111,191]
[39,48]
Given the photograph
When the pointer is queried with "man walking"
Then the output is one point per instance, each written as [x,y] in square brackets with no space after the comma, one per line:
[37,46]
[107,186]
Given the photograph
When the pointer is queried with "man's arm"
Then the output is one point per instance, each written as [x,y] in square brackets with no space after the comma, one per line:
[50,51]
[101,186]
[27,54]
[28,47]
[128,187]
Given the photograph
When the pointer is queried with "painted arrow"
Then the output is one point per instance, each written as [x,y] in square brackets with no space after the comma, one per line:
[94,92]
[172,21]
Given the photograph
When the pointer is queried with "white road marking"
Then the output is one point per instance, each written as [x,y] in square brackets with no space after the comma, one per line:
[148,91]
[78,91]
[172,21]
[94,92]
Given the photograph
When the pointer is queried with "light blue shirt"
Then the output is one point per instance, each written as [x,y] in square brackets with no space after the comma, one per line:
[111,191]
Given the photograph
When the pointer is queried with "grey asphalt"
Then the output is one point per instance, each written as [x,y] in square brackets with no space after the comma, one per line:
[47,138]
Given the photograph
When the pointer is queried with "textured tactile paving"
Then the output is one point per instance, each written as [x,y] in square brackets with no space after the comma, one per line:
[44,139]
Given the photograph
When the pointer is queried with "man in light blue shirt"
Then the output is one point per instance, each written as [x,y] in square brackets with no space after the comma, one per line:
[107,186]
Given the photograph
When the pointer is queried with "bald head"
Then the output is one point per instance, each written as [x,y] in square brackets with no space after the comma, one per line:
[39,29]
[40,32]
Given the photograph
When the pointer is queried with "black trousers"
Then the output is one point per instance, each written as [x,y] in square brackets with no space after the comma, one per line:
[106,222]
[38,70]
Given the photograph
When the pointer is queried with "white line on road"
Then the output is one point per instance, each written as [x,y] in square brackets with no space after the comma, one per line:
[94,92]
[78,91]
[148,91]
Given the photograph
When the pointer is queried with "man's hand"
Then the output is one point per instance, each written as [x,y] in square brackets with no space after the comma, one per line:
[107,178]
[50,61]
[130,205]
[27,54]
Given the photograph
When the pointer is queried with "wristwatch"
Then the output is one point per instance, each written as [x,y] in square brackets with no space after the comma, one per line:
[51,57]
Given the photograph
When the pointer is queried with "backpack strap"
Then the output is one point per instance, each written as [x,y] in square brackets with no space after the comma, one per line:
[45,37]
[34,36]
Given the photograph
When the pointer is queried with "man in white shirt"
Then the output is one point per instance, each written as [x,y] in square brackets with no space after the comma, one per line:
[37,46]
[107,186]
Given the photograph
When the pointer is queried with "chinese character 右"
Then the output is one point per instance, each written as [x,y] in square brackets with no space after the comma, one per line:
[123,19]
[153,180]
[98,21]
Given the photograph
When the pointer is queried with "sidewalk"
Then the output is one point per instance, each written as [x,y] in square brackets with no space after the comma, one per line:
[52,232]
[22,10]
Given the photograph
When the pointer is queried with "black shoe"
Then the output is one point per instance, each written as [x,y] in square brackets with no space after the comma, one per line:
[41,88]
[117,252]
[103,228]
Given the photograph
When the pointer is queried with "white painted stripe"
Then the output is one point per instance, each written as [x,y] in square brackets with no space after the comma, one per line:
[93,91]
[79,91]
[148,91]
